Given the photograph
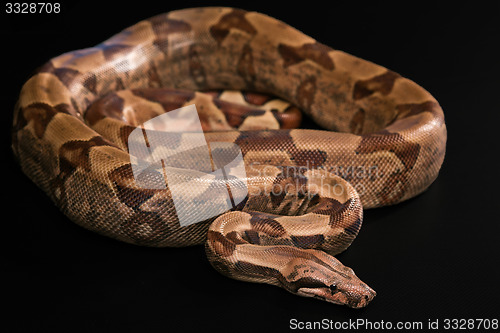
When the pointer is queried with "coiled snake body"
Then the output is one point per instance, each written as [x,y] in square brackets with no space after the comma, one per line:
[387,141]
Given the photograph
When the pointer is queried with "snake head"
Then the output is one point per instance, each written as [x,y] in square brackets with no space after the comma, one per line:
[324,277]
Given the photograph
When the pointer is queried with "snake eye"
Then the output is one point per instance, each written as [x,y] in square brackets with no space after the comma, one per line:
[333,288]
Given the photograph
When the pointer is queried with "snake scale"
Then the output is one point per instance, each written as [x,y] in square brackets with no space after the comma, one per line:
[384,142]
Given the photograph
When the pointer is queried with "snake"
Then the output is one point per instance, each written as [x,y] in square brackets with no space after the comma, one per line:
[251,77]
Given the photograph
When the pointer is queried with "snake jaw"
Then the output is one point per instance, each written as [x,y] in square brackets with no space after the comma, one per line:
[353,295]
[324,277]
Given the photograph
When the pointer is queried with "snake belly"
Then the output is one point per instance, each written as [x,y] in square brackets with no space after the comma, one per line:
[384,142]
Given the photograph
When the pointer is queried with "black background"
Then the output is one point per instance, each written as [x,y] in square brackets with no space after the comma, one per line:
[433,257]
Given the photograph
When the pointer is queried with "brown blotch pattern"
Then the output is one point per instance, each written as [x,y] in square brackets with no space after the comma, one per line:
[245,66]
[305,92]
[90,82]
[220,244]
[235,237]
[289,182]
[154,80]
[329,206]
[109,106]
[65,75]
[252,237]
[315,52]
[308,158]
[125,132]
[233,20]
[119,84]
[308,242]
[357,122]
[411,109]
[145,228]
[338,213]
[163,26]
[407,152]
[256,99]
[265,223]
[395,143]
[169,99]
[236,113]
[382,83]
[196,69]
[112,51]
[267,141]
[248,268]
[133,197]
[75,154]
[290,118]
[40,114]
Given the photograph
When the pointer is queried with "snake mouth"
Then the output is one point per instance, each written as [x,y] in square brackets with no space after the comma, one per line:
[353,300]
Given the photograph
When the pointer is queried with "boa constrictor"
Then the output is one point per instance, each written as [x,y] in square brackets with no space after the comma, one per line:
[387,141]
